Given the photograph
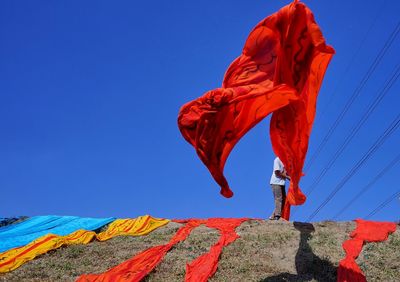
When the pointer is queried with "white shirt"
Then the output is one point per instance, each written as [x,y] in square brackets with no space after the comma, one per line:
[278,165]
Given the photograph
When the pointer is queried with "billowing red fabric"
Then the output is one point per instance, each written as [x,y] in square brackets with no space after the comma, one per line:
[206,265]
[136,268]
[280,70]
[366,231]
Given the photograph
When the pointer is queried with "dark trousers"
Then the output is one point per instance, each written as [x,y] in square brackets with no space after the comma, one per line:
[279,198]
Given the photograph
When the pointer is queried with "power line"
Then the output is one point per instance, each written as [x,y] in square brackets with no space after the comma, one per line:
[384,204]
[387,86]
[369,185]
[355,94]
[378,143]
[355,54]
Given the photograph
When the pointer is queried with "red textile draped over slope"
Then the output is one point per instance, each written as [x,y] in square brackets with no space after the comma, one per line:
[279,71]
[136,268]
[366,231]
[206,265]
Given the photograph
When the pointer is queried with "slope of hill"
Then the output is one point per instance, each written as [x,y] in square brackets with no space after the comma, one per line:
[266,251]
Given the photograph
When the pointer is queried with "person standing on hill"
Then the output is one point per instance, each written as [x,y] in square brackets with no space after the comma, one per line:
[278,181]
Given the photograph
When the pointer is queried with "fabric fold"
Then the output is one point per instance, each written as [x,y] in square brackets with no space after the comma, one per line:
[280,71]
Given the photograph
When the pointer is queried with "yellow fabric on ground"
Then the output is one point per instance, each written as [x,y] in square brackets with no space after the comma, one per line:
[139,226]
[14,258]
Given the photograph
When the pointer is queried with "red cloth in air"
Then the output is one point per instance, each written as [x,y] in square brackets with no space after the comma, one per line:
[206,265]
[366,231]
[279,71]
[136,268]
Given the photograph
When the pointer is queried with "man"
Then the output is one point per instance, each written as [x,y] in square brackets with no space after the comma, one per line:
[278,180]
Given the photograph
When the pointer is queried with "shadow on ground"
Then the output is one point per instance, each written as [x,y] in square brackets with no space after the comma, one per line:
[308,265]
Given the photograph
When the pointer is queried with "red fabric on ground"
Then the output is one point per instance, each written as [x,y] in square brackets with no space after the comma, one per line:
[373,231]
[206,265]
[143,263]
[366,231]
[136,268]
[280,70]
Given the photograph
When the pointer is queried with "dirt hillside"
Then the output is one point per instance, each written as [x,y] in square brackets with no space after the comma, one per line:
[265,251]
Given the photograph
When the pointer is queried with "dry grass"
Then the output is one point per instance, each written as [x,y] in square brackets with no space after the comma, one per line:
[382,259]
[266,251]
[173,266]
[282,251]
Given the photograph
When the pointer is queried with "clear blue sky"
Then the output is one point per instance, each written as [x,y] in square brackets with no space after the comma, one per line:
[90,92]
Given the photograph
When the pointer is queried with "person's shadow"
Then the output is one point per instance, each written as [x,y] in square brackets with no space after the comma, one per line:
[308,265]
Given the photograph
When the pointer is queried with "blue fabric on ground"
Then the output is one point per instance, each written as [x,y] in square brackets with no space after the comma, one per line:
[32,222]
[21,234]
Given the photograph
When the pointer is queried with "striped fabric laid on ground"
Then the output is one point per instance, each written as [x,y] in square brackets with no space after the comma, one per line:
[14,258]
[141,225]
[21,234]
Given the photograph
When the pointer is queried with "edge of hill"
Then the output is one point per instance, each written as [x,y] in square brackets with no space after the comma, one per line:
[265,251]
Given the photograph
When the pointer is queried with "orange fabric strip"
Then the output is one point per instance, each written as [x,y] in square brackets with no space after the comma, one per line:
[366,231]
[206,265]
[136,268]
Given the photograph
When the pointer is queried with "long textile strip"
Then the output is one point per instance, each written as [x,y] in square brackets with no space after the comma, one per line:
[280,71]
[21,234]
[366,231]
[14,258]
[136,268]
[30,223]
[206,265]
[141,225]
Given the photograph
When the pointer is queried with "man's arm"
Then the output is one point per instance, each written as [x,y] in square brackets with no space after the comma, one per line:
[286,175]
[282,174]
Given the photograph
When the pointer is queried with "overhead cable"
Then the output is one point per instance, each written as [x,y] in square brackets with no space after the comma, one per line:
[378,143]
[384,204]
[351,61]
[355,94]
[387,86]
[366,188]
